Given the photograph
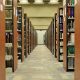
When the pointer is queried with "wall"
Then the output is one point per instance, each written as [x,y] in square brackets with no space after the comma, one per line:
[40,36]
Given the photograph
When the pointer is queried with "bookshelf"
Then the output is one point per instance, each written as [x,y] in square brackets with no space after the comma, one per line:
[35,38]
[32,37]
[68,34]
[2,41]
[25,35]
[48,37]
[60,35]
[20,31]
[55,32]
[77,40]
[11,34]
[29,36]
[52,36]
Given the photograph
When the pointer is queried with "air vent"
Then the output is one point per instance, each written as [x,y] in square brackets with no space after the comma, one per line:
[31,1]
[46,1]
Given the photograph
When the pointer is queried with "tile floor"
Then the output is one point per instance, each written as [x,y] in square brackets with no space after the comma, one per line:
[40,65]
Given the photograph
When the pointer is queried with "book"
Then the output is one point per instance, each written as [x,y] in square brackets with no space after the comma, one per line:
[71,62]
[69,11]
[9,37]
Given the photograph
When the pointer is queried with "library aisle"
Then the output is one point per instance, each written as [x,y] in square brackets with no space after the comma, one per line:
[41,65]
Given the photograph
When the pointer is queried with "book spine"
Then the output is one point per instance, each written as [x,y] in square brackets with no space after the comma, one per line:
[69,11]
[72,12]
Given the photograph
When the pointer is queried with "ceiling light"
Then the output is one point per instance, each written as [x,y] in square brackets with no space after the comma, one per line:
[23,1]
[53,1]
[38,1]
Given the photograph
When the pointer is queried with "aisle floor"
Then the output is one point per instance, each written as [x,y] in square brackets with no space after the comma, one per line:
[41,65]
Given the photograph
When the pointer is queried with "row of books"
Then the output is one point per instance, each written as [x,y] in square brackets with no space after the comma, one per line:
[60,19]
[61,27]
[71,24]
[19,37]
[8,13]
[61,35]
[8,2]
[19,27]
[19,43]
[71,63]
[9,25]
[70,38]
[70,12]
[8,50]
[9,37]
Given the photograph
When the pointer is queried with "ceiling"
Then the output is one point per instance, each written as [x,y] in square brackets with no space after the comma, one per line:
[39,1]
[39,13]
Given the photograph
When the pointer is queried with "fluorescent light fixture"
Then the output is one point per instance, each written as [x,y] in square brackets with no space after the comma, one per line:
[53,1]
[38,1]
[24,1]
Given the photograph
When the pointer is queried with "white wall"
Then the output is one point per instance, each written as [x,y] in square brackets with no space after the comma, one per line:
[40,36]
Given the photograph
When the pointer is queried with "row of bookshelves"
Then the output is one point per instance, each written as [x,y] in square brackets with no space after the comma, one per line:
[49,37]
[60,38]
[16,40]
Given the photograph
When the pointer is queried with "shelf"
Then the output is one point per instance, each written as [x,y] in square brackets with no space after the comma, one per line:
[61,23]
[8,6]
[61,15]
[61,46]
[8,18]
[8,30]
[8,57]
[19,30]
[70,18]
[61,31]
[71,31]
[71,56]
[70,44]
[18,22]
[19,46]
[8,44]
[61,38]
